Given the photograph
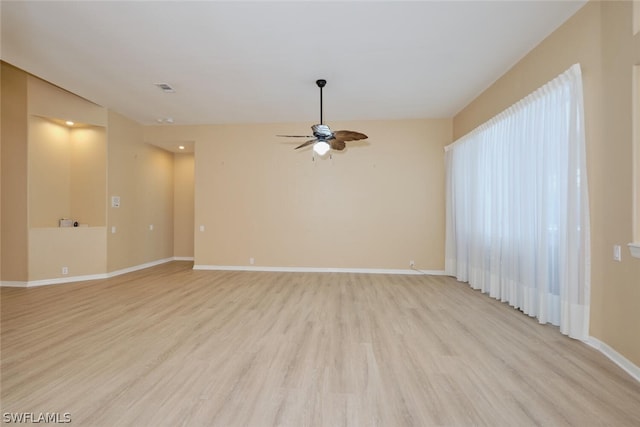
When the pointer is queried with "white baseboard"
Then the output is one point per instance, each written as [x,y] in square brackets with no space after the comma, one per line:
[56,281]
[615,357]
[317,269]
[12,284]
[70,279]
[137,267]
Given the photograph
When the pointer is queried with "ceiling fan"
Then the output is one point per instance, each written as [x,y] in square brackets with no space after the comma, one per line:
[324,139]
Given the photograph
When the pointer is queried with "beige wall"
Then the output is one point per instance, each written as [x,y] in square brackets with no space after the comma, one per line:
[622,329]
[599,36]
[378,205]
[142,176]
[636,118]
[183,207]
[89,175]
[636,142]
[49,172]
[1,117]
[81,250]
[13,139]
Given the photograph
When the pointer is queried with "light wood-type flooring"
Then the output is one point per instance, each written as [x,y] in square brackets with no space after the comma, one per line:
[170,346]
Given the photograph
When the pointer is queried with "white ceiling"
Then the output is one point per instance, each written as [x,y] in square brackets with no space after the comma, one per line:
[251,62]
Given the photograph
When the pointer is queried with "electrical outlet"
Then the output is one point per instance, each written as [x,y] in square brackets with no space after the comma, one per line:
[617,253]
[412,263]
[65,270]
[202,228]
[252,261]
[150,227]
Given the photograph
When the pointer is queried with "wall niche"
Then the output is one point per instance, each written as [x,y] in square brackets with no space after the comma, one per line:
[67,172]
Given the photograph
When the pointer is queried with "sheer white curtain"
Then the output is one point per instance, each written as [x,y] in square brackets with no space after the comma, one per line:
[517,219]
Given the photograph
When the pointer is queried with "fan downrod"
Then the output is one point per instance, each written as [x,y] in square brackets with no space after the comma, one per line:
[321,83]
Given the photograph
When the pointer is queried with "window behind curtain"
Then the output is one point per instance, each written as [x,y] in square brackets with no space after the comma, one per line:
[517,207]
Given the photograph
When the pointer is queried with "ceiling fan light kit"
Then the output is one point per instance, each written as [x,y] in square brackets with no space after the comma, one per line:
[321,147]
[324,139]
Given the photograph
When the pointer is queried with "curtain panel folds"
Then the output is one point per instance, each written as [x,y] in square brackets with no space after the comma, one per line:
[517,214]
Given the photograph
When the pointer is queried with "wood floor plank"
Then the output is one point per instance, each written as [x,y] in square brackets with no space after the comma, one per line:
[172,346]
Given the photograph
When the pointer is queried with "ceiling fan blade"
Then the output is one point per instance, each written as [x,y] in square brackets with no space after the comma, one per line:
[337,144]
[304,144]
[349,135]
[296,136]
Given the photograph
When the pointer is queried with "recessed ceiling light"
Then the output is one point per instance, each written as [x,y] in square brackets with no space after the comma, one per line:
[166,87]
[69,123]
[181,147]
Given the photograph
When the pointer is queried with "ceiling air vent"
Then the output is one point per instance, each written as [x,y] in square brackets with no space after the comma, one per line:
[165,87]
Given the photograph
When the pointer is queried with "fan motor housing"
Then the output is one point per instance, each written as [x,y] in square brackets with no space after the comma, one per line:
[321,131]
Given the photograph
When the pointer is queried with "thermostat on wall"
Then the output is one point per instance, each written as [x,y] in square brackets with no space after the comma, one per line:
[115,201]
